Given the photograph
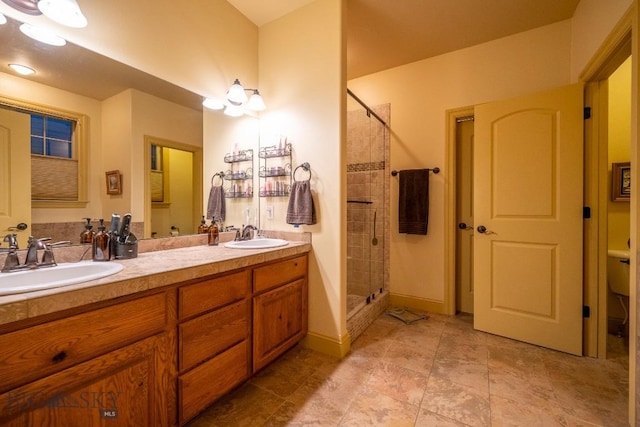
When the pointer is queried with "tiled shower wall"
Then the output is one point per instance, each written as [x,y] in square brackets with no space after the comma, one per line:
[368,182]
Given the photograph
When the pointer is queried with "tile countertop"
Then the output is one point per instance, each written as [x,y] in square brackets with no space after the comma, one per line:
[149,270]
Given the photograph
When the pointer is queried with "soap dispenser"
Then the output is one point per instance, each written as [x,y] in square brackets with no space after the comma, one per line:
[214,234]
[203,229]
[86,237]
[101,244]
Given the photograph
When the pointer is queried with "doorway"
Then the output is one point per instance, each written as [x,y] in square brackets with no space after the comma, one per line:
[173,188]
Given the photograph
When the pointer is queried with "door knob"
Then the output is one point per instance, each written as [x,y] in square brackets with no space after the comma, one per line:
[21,227]
[464,226]
[483,230]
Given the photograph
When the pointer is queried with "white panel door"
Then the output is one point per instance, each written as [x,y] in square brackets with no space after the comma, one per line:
[15,174]
[528,181]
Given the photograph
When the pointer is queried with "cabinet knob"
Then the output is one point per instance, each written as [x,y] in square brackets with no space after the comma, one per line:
[59,357]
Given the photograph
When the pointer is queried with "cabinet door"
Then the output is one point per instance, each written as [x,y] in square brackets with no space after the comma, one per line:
[121,388]
[280,320]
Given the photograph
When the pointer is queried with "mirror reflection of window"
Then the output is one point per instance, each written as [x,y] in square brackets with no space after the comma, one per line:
[51,136]
[156,158]
[157,176]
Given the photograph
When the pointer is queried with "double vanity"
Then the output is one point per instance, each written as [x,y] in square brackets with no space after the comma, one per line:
[155,343]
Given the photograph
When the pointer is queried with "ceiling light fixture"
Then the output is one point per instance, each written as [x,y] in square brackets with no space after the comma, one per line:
[42,35]
[236,101]
[22,69]
[30,7]
[65,12]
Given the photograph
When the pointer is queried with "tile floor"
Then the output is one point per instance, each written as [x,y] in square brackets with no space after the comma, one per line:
[437,372]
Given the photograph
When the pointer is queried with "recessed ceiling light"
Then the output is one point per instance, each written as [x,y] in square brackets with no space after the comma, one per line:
[22,69]
[42,35]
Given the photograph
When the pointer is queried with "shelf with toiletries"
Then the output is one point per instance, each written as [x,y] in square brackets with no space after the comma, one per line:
[241,180]
[239,156]
[275,170]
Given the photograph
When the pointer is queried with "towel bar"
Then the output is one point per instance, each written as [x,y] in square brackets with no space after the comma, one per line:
[435,170]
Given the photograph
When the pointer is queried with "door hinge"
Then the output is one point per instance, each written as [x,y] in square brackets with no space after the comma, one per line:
[586,311]
[587,113]
[586,212]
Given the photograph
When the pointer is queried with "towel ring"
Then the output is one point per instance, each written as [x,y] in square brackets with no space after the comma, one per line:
[306,166]
[220,175]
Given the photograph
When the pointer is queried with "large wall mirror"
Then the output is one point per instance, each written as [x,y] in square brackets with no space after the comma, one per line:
[125,111]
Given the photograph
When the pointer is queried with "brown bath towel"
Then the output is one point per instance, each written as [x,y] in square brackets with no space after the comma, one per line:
[413,201]
[301,209]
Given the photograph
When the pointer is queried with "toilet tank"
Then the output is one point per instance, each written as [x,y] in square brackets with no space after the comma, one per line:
[618,271]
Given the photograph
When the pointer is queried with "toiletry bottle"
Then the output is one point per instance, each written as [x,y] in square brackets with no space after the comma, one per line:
[101,244]
[202,228]
[214,234]
[86,237]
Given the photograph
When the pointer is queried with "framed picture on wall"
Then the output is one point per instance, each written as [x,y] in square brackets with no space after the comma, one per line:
[620,182]
[114,182]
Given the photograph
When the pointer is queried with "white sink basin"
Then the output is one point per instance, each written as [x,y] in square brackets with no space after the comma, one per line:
[256,244]
[17,282]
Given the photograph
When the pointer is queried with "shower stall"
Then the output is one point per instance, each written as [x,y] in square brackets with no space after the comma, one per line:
[368,179]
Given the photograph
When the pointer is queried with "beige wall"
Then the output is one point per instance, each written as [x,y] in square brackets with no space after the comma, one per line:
[619,150]
[302,69]
[420,94]
[591,23]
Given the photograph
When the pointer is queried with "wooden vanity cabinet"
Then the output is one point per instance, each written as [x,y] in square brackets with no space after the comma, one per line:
[214,345]
[103,367]
[280,309]
[156,359]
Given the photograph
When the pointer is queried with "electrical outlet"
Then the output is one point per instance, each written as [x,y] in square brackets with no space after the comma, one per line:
[269,211]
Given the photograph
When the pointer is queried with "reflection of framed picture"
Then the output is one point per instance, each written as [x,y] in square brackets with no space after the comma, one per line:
[620,182]
[114,182]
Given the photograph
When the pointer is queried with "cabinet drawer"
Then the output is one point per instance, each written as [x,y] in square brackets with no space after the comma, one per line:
[210,334]
[40,350]
[279,273]
[199,387]
[209,294]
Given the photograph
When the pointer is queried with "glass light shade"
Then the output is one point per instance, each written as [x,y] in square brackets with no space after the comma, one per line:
[42,35]
[234,110]
[65,12]
[3,19]
[256,103]
[236,95]
[213,104]
[22,69]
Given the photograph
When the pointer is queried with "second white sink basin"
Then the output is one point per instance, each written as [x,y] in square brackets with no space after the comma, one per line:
[256,244]
[17,282]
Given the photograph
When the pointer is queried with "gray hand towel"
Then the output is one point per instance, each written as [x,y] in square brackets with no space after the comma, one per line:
[413,201]
[216,209]
[301,209]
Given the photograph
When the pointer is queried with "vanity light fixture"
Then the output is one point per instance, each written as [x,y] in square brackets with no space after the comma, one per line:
[236,101]
[65,12]
[42,35]
[22,69]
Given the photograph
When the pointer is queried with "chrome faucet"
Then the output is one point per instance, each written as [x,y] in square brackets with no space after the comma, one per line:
[33,244]
[12,263]
[248,231]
